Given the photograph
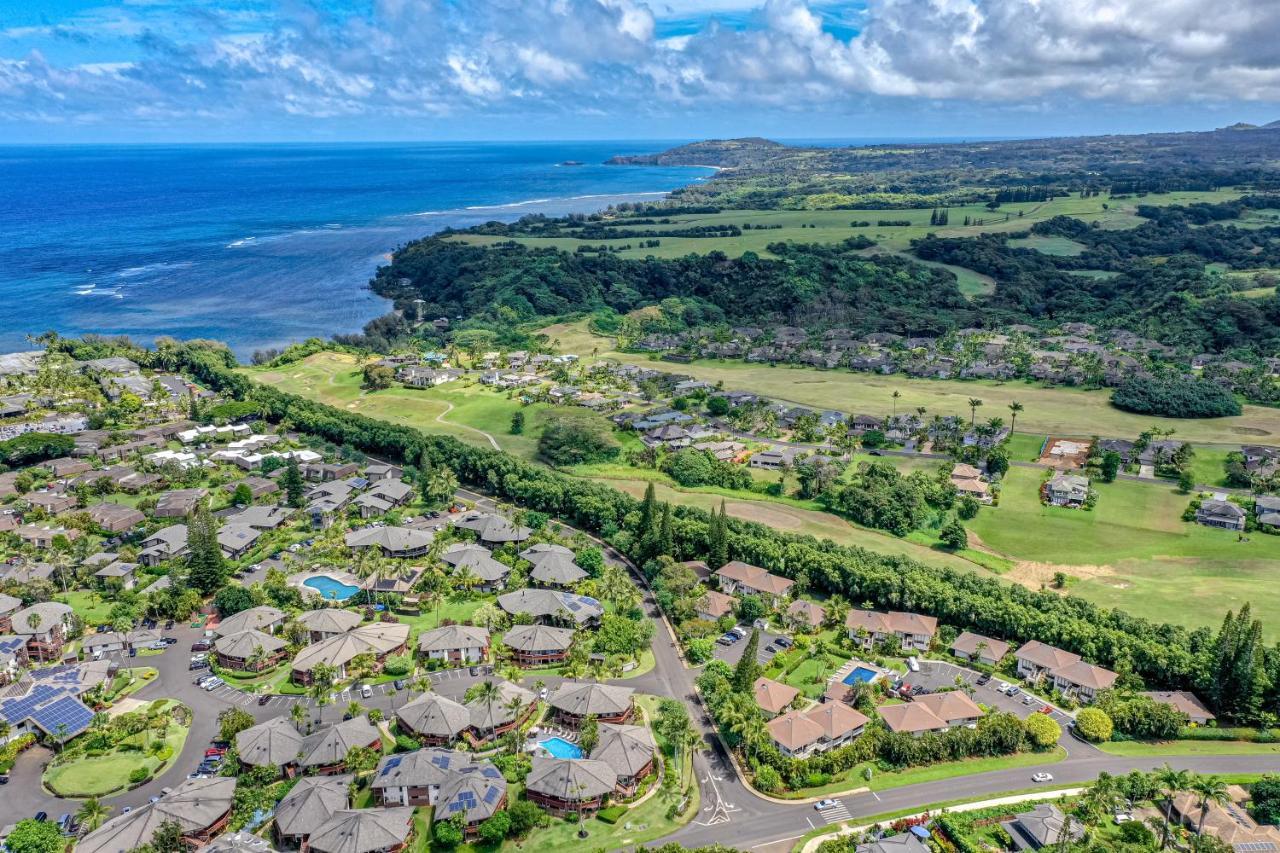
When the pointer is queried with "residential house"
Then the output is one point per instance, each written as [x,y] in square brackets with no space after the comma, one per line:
[1185,702]
[1069,490]
[488,573]
[310,803]
[178,503]
[773,697]
[573,703]
[806,615]
[328,622]
[714,605]
[1230,822]
[261,517]
[400,542]
[1043,826]
[914,631]
[565,786]
[630,751]
[200,807]
[119,574]
[235,540]
[325,752]
[363,831]
[167,543]
[44,626]
[553,606]
[457,644]
[380,640]
[274,743]
[800,734]
[116,518]
[493,529]
[970,482]
[259,487]
[1267,510]
[491,720]
[51,502]
[1215,512]
[975,647]
[904,842]
[436,720]
[775,459]
[249,651]
[1068,671]
[42,535]
[739,578]
[262,618]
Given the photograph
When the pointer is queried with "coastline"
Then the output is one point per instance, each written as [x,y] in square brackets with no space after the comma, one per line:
[282,242]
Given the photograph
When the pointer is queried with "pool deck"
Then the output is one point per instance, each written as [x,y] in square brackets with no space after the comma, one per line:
[299,579]
[854,663]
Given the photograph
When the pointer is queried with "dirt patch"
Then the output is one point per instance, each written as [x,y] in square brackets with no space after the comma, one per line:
[1037,575]
[1249,431]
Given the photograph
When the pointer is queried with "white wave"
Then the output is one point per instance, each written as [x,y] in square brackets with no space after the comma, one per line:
[527,202]
[511,204]
[161,266]
[243,241]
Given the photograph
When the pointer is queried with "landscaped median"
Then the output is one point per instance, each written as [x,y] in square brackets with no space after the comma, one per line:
[120,752]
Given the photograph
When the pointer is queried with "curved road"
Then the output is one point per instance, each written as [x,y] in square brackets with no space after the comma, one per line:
[730,814]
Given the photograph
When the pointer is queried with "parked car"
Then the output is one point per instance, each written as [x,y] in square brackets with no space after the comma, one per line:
[1028,699]
[197,665]
[1001,687]
[366,691]
[823,805]
[1042,777]
[201,646]
[155,798]
[4,779]
[158,645]
[42,816]
[264,699]
[214,684]
[399,684]
[785,642]
[1045,709]
[1013,690]
[215,750]
[64,824]
[984,680]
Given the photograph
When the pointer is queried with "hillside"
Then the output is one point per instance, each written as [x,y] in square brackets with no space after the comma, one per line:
[724,153]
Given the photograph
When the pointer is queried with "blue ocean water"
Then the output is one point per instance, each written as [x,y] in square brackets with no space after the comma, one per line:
[265,244]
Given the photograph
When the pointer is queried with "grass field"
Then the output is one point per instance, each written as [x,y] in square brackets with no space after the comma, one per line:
[469,412]
[1061,246]
[1189,747]
[1134,552]
[1047,410]
[91,607]
[833,226]
[91,776]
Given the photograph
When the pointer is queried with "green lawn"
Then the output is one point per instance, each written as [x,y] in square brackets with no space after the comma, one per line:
[1207,465]
[854,778]
[1134,552]
[1061,246]
[1047,410]
[91,776]
[810,677]
[469,412]
[833,226]
[1190,747]
[91,607]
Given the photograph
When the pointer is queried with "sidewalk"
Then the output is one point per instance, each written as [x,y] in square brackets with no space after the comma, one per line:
[812,844]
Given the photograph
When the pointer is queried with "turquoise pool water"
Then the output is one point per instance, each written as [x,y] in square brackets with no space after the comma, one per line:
[860,673]
[331,589]
[561,748]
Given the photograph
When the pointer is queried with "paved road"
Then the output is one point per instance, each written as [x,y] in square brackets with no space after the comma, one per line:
[730,813]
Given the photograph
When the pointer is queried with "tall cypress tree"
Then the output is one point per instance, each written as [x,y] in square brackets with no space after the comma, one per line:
[666,535]
[291,482]
[718,534]
[748,668]
[207,570]
[648,509]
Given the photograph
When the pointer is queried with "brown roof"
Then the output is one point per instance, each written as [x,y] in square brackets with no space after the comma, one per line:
[950,706]
[837,719]
[716,604]
[811,613]
[1044,655]
[1229,823]
[892,622]
[1184,701]
[1087,675]
[755,577]
[773,696]
[910,717]
[794,730]
[968,642]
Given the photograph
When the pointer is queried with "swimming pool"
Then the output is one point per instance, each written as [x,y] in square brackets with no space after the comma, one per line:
[330,589]
[862,674]
[561,748]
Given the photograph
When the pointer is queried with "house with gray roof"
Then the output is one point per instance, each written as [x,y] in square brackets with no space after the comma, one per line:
[629,750]
[249,651]
[904,842]
[490,573]
[325,752]
[553,606]
[1215,512]
[574,702]
[44,626]
[328,622]
[261,517]
[493,529]
[492,720]
[538,645]
[200,807]
[401,542]
[262,618]
[435,719]
[456,644]
[552,569]
[275,743]
[178,503]
[565,786]
[379,639]
[364,831]
[1069,490]
[167,543]
[115,518]
[122,575]
[1043,826]
[308,805]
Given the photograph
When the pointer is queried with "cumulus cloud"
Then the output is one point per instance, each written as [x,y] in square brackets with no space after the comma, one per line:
[437,57]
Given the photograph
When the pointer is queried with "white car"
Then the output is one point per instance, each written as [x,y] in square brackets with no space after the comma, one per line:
[823,805]
[366,691]
[1042,777]
[214,683]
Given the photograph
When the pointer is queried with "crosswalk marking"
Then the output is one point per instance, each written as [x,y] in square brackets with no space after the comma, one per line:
[837,813]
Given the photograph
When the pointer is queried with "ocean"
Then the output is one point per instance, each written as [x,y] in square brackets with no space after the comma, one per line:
[262,245]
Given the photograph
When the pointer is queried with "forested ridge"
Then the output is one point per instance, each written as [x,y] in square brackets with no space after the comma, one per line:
[1231,667]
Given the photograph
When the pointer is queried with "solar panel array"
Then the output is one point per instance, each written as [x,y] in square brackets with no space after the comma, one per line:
[51,701]
[67,716]
[1255,847]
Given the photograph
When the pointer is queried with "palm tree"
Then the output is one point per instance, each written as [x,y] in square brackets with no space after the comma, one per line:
[488,692]
[514,706]
[974,404]
[298,714]
[1209,790]
[1172,782]
[1014,408]
[354,708]
[92,813]
[896,394]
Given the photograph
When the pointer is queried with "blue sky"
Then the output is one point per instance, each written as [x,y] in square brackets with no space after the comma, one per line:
[257,70]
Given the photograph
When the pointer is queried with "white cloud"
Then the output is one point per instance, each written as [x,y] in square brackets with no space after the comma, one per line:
[437,57]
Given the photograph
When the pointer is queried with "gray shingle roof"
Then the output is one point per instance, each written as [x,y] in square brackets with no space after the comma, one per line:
[452,637]
[434,716]
[330,620]
[311,802]
[331,744]
[363,830]
[538,638]
[571,780]
[274,743]
[253,619]
[591,698]
[195,804]
[627,749]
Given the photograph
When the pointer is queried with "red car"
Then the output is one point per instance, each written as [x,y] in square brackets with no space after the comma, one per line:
[1046,710]
[214,750]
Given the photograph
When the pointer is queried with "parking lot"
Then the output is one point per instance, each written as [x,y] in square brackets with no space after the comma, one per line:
[937,675]
[732,654]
